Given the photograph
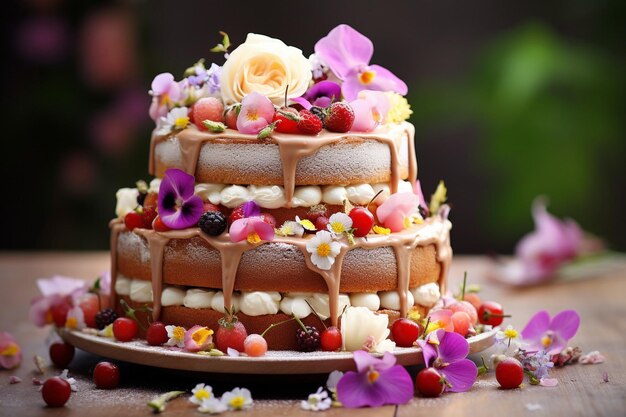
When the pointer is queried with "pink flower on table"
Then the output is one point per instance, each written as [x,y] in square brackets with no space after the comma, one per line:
[10,351]
[370,110]
[198,338]
[395,211]
[375,383]
[347,53]
[252,229]
[447,353]
[551,335]
[54,291]
[165,92]
[257,111]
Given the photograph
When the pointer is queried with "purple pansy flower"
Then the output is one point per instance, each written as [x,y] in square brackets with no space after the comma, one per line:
[541,333]
[347,53]
[447,352]
[377,382]
[179,208]
[321,94]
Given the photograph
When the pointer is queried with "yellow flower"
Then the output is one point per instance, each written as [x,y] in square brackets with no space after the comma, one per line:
[381,230]
[399,109]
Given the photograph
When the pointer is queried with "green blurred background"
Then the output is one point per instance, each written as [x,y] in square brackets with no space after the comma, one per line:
[511,100]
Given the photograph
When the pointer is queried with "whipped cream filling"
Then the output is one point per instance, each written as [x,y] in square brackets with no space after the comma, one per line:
[364,299]
[257,303]
[198,298]
[122,285]
[172,296]
[391,300]
[126,201]
[427,294]
[140,291]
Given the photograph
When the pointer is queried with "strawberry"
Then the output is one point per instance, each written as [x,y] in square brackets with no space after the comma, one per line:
[230,116]
[148,215]
[133,220]
[210,207]
[207,108]
[230,334]
[340,117]
[151,200]
[309,123]
[287,119]
[236,214]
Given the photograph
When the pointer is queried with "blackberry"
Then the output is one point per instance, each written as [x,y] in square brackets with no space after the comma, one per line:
[423,212]
[308,339]
[319,112]
[212,223]
[105,317]
[141,197]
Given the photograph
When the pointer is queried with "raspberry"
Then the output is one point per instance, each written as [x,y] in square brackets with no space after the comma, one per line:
[213,223]
[309,124]
[207,108]
[288,118]
[340,117]
[105,317]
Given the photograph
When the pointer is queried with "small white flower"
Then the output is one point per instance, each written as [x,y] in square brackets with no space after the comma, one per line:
[290,228]
[359,325]
[212,406]
[71,381]
[176,119]
[333,379]
[176,336]
[317,401]
[201,393]
[75,319]
[508,337]
[339,223]
[323,250]
[237,399]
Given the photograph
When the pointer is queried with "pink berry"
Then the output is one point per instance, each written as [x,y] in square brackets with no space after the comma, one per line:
[230,118]
[207,108]
[509,373]
[462,322]
[90,304]
[467,307]
[269,219]
[255,345]
[56,391]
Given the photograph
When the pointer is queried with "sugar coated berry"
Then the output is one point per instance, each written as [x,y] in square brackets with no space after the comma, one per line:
[133,220]
[309,124]
[330,339]
[213,223]
[405,332]
[466,307]
[429,382]
[61,354]
[156,335]
[509,373]
[125,329]
[207,108]
[269,219]
[56,391]
[106,375]
[340,117]
[255,345]
[286,120]
[231,333]
[461,322]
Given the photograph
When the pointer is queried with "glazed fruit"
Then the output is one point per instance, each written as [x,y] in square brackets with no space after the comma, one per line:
[467,307]
[236,214]
[287,119]
[90,304]
[213,223]
[133,220]
[231,333]
[308,338]
[509,373]
[429,383]
[156,335]
[340,117]
[105,317]
[362,221]
[491,313]
[462,323]
[255,345]
[309,124]
[59,313]
[61,354]
[56,391]
[405,332]
[330,339]
[106,375]
[207,108]
[125,329]
[210,207]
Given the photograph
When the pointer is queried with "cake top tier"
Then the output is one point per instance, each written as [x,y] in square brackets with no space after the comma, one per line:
[265,86]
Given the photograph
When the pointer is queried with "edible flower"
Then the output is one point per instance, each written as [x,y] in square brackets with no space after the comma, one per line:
[318,401]
[447,353]
[593,357]
[440,319]
[339,223]
[290,228]
[54,291]
[179,208]
[323,250]
[360,326]
[212,406]
[375,383]
[379,230]
[347,53]
[237,399]
[257,111]
[395,212]
[70,380]
[198,338]
[176,336]
[508,336]
[165,92]
[551,335]
[176,119]
[10,351]
[399,108]
[200,393]
[75,319]
[370,110]
[536,365]
[252,229]
[321,94]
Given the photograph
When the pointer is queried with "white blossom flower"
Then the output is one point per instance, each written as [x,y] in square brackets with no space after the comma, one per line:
[237,399]
[176,119]
[359,326]
[339,223]
[72,381]
[290,228]
[176,336]
[323,250]
[75,319]
[212,406]
[317,401]
[200,393]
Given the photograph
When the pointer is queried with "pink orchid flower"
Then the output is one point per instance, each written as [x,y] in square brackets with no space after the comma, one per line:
[442,319]
[10,351]
[370,110]
[542,333]
[165,91]
[257,111]
[54,291]
[253,229]
[395,211]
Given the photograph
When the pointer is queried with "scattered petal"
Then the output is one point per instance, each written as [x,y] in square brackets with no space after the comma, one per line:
[533,407]
[592,358]
[13,379]
[548,382]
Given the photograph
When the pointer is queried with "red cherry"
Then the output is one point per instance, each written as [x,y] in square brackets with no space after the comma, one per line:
[156,334]
[59,313]
[61,354]
[269,219]
[429,383]
[133,220]
[56,391]
[125,329]
[331,339]
[90,304]
[405,332]
[362,221]
[106,375]
[509,373]
[491,313]
[321,223]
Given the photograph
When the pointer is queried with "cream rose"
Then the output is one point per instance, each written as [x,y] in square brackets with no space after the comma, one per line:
[267,66]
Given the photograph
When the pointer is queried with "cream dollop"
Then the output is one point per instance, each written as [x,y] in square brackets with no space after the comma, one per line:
[198,298]
[217,303]
[360,194]
[234,195]
[306,196]
[319,302]
[334,194]
[391,300]
[365,299]
[141,291]
[126,201]
[427,294]
[122,285]
[209,192]
[172,296]
[257,303]
[267,196]
[384,195]
[155,184]
[267,66]
[295,305]
[360,326]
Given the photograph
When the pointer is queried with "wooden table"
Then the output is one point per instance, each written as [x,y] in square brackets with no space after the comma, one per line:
[581,390]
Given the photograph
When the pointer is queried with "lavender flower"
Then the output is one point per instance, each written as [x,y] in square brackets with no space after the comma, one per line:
[551,335]
[179,208]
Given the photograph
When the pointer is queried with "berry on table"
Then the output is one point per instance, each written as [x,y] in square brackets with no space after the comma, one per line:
[56,391]
[430,383]
[156,335]
[231,333]
[133,220]
[105,317]
[362,221]
[106,375]
[405,332]
[340,117]
[213,223]
[330,339]
[509,373]
[491,313]
[309,124]
[307,337]
[255,345]
[61,354]
[207,108]
[125,329]
[287,118]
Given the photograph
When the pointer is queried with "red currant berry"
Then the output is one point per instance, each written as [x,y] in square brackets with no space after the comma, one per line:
[56,391]
[59,314]
[491,313]
[321,223]
[330,339]
[156,334]
[509,373]
[429,383]
[125,329]
[405,332]
[106,375]
[362,221]
[61,354]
